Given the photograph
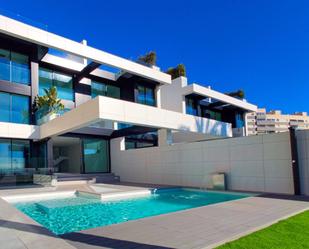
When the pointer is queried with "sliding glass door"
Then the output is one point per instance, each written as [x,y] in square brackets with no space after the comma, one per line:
[20,155]
[14,155]
[96,155]
[5,156]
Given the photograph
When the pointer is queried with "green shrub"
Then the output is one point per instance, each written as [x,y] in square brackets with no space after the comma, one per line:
[238,94]
[175,72]
[149,58]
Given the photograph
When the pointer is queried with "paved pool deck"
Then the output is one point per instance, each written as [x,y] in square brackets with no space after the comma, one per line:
[203,227]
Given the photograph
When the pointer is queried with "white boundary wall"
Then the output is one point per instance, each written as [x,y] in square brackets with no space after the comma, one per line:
[303,159]
[256,163]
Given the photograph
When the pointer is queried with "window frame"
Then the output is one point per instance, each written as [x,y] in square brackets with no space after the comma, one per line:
[10,107]
[54,72]
[10,65]
[144,94]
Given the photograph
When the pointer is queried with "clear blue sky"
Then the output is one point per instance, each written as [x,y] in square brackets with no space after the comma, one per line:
[261,46]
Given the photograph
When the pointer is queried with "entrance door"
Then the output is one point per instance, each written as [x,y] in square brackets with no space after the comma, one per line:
[96,155]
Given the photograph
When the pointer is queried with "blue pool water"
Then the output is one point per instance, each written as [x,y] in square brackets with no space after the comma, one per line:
[84,212]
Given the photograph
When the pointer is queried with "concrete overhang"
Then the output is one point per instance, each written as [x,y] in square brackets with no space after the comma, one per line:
[23,131]
[75,66]
[38,36]
[209,93]
[109,109]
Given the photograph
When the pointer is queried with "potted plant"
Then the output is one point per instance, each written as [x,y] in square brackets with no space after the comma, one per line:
[178,71]
[150,59]
[48,106]
[238,94]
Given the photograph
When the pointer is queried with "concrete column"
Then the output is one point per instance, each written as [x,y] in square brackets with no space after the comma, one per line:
[34,68]
[80,96]
[158,96]
[245,123]
[164,137]
[117,144]
[183,103]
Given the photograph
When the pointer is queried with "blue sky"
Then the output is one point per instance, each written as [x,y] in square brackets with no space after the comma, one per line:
[261,46]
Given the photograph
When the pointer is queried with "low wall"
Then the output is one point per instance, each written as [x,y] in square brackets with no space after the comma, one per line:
[303,159]
[256,163]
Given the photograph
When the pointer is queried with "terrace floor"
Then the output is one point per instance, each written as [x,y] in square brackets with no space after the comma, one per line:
[203,227]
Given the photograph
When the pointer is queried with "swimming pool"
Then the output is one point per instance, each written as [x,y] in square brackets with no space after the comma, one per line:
[64,215]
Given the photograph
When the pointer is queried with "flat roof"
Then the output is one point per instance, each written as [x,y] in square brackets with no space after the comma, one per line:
[209,93]
[38,36]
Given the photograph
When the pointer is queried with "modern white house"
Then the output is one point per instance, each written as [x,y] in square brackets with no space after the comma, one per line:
[137,105]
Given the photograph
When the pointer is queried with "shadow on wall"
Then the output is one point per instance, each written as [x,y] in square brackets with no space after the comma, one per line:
[210,126]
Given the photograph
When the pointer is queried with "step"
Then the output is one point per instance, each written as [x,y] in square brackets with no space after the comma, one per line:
[100,178]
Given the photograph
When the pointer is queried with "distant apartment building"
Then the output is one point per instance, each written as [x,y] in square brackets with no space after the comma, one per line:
[262,122]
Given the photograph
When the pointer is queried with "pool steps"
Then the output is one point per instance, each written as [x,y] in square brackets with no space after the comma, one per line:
[70,194]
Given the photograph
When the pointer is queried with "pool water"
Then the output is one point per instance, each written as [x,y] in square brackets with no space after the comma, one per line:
[83,212]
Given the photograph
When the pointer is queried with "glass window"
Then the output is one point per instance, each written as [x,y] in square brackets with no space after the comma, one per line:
[4,107]
[103,89]
[20,109]
[5,65]
[20,154]
[62,82]
[113,91]
[148,139]
[211,114]
[239,120]
[64,86]
[149,97]
[14,108]
[45,79]
[5,156]
[97,89]
[191,106]
[145,95]
[96,155]
[20,68]
[14,67]
[14,155]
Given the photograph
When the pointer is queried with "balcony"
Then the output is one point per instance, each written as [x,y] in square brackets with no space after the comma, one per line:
[114,110]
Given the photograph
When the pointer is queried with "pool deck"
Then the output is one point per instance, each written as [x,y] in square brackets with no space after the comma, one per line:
[203,227]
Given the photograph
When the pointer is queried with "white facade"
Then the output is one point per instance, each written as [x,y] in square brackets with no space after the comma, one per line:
[190,147]
[173,97]
[41,37]
[255,163]
[169,112]
[109,109]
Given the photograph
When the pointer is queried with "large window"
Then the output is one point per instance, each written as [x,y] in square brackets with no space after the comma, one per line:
[96,155]
[14,67]
[148,139]
[14,156]
[14,108]
[145,95]
[191,106]
[211,114]
[62,82]
[103,89]
[239,120]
